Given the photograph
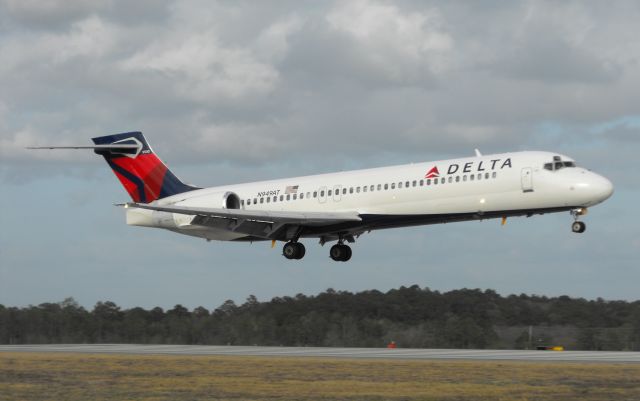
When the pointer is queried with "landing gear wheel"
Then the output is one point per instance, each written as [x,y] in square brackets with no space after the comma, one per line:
[293,250]
[340,253]
[336,252]
[301,250]
[348,255]
[578,227]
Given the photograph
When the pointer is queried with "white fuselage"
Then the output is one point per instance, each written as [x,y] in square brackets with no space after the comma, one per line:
[480,187]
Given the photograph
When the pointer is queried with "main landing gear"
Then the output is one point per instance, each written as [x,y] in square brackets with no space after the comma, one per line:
[578,226]
[293,250]
[340,252]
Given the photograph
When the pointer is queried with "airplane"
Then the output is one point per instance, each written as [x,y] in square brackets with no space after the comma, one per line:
[342,206]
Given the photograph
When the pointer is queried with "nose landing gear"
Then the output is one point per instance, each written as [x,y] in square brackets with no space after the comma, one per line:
[578,226]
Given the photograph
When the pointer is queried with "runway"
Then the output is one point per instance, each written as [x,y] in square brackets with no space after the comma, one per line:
[353,353]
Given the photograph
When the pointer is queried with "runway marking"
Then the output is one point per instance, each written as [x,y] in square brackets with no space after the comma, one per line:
[357,353]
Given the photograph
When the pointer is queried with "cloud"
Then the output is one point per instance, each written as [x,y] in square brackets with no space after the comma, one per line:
[52,14]
[240,91]
[201,69]
[364,80]
[553,46]
[404,47]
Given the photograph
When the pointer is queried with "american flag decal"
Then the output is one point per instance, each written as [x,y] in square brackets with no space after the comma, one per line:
[293,189]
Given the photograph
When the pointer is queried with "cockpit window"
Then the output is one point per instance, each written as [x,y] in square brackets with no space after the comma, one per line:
[558,164]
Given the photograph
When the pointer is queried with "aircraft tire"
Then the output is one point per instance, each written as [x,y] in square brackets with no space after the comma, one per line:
[578,227]
[348,253]
[289,250]
[336,252]
[300,250]
[340,253]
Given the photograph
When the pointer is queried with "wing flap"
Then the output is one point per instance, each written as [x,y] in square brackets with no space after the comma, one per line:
[260,216]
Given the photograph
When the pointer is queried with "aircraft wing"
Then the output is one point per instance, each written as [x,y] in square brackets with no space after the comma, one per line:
[260,223]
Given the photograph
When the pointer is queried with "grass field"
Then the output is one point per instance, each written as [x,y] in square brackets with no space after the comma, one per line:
[70,377]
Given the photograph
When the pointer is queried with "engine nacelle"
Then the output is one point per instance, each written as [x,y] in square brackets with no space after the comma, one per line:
[148,218]
[216,200]
[230,200]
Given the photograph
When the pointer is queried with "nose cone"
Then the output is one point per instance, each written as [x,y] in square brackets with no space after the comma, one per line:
[604,188]
[600,187]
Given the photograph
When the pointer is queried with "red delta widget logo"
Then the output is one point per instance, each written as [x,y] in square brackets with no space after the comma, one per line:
[433,173]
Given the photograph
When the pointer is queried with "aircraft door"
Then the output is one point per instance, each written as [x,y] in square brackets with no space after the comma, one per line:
[322,194]
[337,193]
[527,179]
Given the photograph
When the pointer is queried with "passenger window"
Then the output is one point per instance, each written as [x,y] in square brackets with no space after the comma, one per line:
[281,198]
[261,200]
[400,185]
[321,193]
[380,187]
[288,197]
[406,184]
[486,176]
[386,186]
[295,196]
[351,190]
[464,178]
[308,194]
[471,177]
[414,183]
[255,200]
[344,191]
[269,200]
[393,185]
[435,181]
[358,190]
[242,202]
[372,188]
[364,189]
[429,181]
[450,179]
[302,195]
[315,194]
[494,174]
[442,180]
[329,192]
[421,183]
[275,198]
[457,178]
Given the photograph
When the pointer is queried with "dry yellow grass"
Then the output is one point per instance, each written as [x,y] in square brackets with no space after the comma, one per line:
[70,377]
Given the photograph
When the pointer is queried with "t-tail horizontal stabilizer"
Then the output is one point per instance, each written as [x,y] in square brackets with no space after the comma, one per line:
[145,177]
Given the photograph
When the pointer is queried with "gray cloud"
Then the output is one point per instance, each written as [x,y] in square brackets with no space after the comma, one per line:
[404,77]
[240,91]
[50,15]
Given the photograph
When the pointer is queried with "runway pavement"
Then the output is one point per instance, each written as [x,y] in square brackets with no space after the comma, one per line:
[358,353]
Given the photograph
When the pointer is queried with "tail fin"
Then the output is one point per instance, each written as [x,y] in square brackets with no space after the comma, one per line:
[144,176]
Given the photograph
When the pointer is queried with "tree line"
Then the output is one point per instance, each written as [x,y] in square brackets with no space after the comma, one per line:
[410,316]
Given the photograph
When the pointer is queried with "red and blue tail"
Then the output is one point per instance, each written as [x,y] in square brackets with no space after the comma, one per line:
[144,176]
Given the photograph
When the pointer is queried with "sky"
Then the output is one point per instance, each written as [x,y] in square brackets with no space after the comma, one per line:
[240,91]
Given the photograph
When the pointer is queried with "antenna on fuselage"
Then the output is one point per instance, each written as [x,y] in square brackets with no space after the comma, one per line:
[478,154]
